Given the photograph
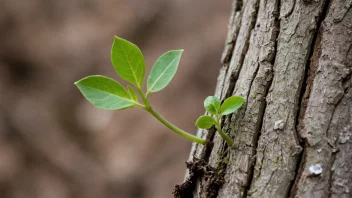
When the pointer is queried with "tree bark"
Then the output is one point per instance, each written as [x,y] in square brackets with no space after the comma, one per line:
[292,61]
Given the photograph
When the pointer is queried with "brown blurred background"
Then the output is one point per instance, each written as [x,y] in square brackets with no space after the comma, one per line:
[53,143]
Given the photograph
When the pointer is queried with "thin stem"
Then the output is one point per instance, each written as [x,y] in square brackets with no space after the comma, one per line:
[149,108]
[227,138]
[174,128]
[146,95]
[144,98]
[139,104]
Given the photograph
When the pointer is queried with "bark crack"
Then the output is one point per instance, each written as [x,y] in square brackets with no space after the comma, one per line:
[311,66]
[233,80]
[234,74]
[262,111]
[250,85]
[232,35]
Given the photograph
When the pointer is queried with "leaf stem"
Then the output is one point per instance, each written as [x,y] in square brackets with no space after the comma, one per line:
[147,94]
[174,128]
[144,98]
[184,134]
[227,138]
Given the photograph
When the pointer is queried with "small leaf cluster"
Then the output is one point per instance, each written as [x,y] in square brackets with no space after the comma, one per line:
[217,110]
[128,62]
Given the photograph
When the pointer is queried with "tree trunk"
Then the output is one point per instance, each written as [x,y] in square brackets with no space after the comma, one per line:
[292,61]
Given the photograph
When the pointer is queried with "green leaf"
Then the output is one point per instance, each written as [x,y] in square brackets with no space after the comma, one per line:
[212,105]
[105,93]
[205,122]
[128,61]
[231,104]
[132,93]
[163,70]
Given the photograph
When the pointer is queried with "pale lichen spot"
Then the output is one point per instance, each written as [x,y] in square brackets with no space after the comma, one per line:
[315,169]
[279,125]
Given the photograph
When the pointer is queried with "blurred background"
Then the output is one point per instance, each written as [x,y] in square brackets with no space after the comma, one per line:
[53,143]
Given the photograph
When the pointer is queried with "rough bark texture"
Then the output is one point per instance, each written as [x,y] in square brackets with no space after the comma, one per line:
[292,61]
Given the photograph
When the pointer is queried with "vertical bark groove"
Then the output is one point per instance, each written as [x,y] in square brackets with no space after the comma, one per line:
[328,114]
[232,32]
[253,83]
[311,69]
[276,167]
[249,15]
[260,125]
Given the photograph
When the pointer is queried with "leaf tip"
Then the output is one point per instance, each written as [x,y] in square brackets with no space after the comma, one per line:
[77,82]
[179,51]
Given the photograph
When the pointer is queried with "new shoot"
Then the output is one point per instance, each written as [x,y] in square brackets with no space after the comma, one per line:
[128,62]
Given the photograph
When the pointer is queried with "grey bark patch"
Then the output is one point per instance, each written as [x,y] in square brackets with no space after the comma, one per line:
[329,111]
[276,157]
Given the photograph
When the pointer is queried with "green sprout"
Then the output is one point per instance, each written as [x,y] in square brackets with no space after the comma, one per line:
[213,107]
[128,62]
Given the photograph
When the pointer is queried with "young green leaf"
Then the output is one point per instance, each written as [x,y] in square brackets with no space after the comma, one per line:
[105,93]
[163,70]
[132,93]
[231,104]
[128,61]
[205,122]
[212,105]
